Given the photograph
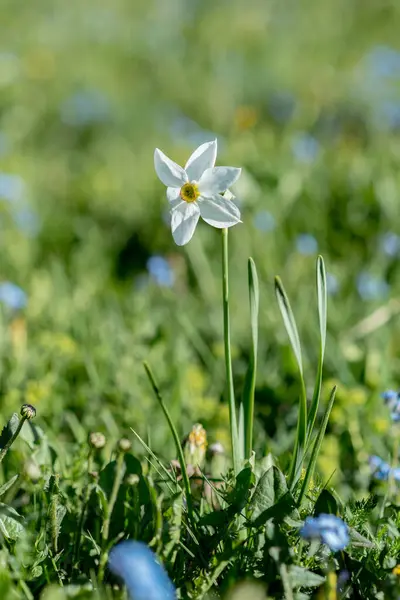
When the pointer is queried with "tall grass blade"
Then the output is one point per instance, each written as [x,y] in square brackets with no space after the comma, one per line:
[322,314]
[179,451]
[317,447]
[291,328]
[250,381]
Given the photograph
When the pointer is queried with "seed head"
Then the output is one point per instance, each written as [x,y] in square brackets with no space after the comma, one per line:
[124,445]
[97,440]
[28,411]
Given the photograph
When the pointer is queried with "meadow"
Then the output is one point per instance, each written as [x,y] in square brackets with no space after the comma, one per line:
[118,415]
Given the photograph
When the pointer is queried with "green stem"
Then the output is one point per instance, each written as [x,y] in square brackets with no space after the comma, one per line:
[119,473]
[178,446]
[86,495]
[12,439]
[228,356]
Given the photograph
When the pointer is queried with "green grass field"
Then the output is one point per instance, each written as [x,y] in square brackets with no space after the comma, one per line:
[305,99]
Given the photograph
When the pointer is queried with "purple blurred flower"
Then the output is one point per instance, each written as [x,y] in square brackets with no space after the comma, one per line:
[141,572]
[12,296]
[329,529]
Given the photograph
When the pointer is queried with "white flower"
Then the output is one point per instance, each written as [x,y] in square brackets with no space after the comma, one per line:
[196,191]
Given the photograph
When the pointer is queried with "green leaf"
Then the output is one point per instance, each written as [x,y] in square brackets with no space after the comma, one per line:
[289,321]
[6,486]
[301,434]
[271,497]
[10,522]
[240,494]
[301,577]
[326,503]
[322,314]
[9,430]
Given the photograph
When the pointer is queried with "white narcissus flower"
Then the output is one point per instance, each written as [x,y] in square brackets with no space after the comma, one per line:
[196,191]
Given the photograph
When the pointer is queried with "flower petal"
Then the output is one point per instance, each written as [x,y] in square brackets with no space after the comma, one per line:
[174,197]
[203,158]
[183,222]
[219,212]
[168,171]
[217,180]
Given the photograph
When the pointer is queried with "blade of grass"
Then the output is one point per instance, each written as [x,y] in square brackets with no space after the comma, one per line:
[174,433]
[317,447]
[322,314]
[291,328]
[250,381]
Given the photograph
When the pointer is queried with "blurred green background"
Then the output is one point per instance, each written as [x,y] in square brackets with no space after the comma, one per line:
[305,97]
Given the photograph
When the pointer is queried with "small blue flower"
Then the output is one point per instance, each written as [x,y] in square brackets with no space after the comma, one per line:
[306,244]
[12,296]
[332,284]
[384,62]
[161,271]
[141,572]
[329,529]
[370,287]
[392,401]
[12,187]
[281,106]
[390,244]
[382,470]
[85,107]
[264,221]
[305,147]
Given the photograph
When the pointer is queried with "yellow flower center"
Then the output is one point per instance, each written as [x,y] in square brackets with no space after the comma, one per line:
[189,192]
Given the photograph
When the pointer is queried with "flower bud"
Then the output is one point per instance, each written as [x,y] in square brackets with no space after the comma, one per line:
[124,445]
[97,440]
[28,411]
[132,479]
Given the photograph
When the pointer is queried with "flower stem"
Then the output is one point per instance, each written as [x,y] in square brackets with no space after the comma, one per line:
[228,356]
[119,473]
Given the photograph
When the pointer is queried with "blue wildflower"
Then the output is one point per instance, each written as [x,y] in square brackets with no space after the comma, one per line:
[370,287]
[12,187]
[264,221]
[142,574]
[161,271]
[329,529]
[305,147]
[384,62]
[306,244]
[332,284]
[390,244]
[85,108]
[382,470]
[392,401]
[281,106]
[12,296]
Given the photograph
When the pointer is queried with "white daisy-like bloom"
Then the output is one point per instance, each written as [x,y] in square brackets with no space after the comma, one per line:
[195,191]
